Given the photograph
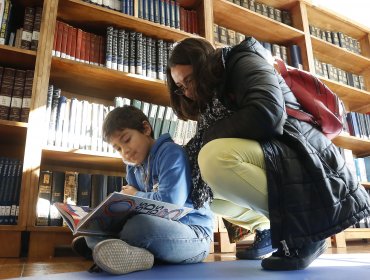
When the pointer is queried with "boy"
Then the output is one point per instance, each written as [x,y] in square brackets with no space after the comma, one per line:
[159,170]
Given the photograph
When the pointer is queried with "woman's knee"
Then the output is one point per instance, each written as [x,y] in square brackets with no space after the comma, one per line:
[209,158]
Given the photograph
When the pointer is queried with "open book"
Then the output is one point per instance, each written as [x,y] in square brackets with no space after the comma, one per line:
[109,216]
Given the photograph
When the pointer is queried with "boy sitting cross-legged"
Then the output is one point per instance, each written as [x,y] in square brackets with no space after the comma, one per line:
[159,170]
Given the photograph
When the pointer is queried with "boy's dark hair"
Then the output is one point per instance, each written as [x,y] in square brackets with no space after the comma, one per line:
[124,117]
[207,75]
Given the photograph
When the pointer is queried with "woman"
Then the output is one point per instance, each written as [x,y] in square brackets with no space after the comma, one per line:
[254,156]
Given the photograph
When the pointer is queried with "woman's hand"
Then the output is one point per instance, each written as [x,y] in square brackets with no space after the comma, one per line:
[129,190]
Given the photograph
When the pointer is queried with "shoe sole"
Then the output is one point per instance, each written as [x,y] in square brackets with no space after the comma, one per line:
[117,257]
[299,265]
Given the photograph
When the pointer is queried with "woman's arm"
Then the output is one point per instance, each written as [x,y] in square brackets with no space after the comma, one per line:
[259,102]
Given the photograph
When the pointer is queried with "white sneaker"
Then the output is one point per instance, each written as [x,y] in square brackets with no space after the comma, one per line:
[117,257]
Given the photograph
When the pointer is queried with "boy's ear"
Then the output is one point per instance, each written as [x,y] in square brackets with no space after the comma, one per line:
[147,128]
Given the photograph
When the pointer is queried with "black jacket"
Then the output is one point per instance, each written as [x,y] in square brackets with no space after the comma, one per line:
[312,194]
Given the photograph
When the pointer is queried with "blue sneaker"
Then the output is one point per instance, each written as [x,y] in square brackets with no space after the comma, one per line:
[260,248]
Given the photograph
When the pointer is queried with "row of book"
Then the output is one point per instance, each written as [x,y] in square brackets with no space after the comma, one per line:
[162,119]
[123,6]
[169,13]
[331,72]
[74,123]
[359,166]
[15,93]
[77,124]
[358,125]
[290,55]
[337,38]
[10,186]
[73,188]
[122,50]
[133,52]
[22,34]
[77,44]
[263,9]
[226,36]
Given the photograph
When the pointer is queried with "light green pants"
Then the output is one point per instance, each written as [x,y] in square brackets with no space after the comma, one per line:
[235,170]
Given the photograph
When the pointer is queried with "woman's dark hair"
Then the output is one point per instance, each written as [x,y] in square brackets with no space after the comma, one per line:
[124,117]
[207,73]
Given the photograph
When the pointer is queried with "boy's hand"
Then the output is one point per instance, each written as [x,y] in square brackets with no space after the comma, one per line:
[129,190]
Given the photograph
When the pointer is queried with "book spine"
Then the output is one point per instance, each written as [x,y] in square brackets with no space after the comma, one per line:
[84,189]
[132,52]
[120,48]
[36,29]
[6,90]
[114,49]
[109,45]
[57,189]
[70,188]
[4,23]
[139,54]
[44,196]
[29,18]
[53,116]
[16,103]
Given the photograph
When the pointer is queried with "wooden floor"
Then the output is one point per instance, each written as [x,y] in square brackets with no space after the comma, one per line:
[12,268]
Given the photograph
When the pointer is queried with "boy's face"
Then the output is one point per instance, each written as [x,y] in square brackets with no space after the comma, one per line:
[133,145]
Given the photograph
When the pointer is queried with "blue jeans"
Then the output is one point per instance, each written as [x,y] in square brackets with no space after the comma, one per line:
[167,240]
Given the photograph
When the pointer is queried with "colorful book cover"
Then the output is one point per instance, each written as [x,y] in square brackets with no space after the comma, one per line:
[109,216]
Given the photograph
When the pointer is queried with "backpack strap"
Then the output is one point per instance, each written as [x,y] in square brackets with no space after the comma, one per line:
[301,115]
[283,70]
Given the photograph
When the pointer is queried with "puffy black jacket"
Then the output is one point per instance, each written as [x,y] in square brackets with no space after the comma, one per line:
[312,194]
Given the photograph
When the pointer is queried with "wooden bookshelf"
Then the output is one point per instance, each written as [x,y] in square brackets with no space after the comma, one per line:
[359,147]
[15,132]
[96,82]
[91,161]
[16,57]
[355,99]
[90,79]
[339,57]
[96,18]
[251,23]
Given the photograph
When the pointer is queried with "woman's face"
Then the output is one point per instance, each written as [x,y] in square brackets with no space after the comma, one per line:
[183,78]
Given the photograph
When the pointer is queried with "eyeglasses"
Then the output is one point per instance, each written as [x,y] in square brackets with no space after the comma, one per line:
[187,85]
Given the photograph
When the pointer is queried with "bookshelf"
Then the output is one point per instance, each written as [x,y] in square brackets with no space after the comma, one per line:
[27,140]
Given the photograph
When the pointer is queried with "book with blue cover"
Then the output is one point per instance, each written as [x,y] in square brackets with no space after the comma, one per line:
[110,215]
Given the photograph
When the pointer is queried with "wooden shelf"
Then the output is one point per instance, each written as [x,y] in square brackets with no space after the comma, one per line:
[245,21]
[49,229]
[95,18]
[17,58]
[12,228]
[366,185]
[339,57]
[359,147]
[26,3]
[357,233]
[355,99]
[72,159]
[15,132]
[104,83]
[324,19]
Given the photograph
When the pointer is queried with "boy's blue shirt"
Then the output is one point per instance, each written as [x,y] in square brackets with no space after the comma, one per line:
[165,176]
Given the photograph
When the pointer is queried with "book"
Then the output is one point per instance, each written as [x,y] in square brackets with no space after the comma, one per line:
[110,215]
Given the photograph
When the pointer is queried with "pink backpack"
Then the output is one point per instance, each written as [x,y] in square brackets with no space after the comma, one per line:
[321,107]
